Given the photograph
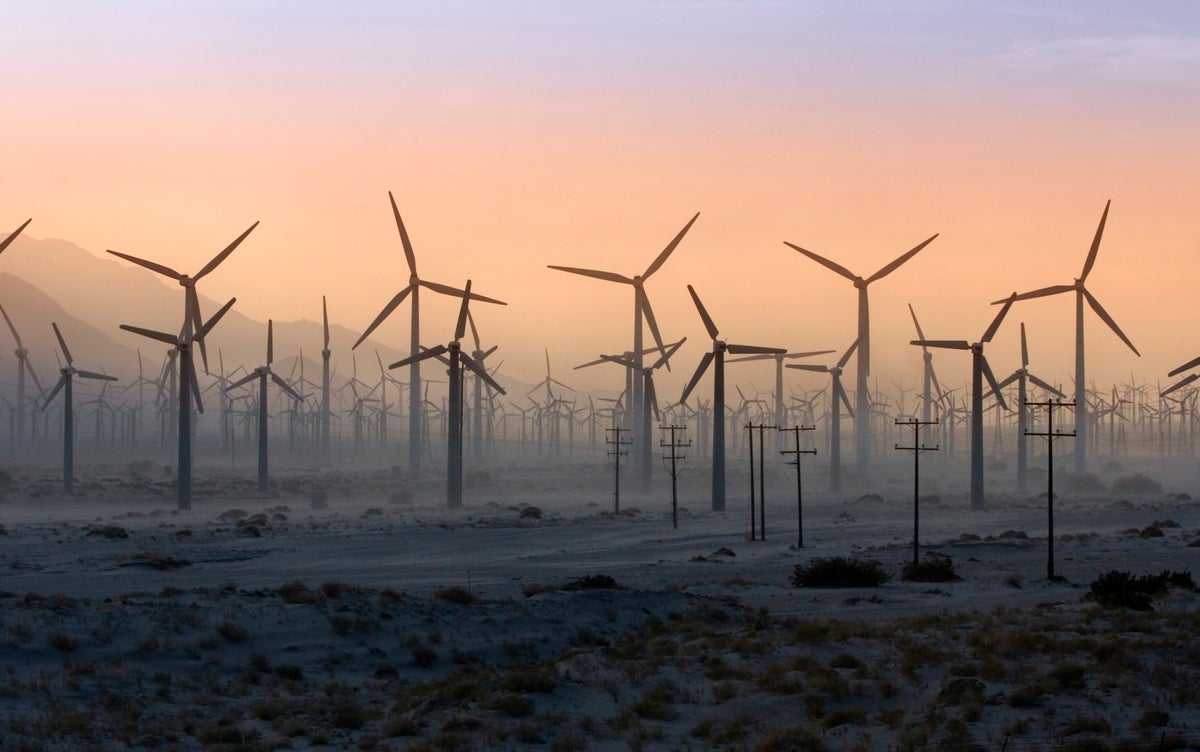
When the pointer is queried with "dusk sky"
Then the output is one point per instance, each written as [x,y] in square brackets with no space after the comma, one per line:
[520,134]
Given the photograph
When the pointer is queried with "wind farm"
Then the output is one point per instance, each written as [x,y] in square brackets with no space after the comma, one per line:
[858,480]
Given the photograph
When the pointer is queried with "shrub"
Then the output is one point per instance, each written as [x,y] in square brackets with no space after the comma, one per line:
[333,590]
[1084,483]
[530,513]
[1123,590]
[457,595]
[593,582]
[63,642]
[934,567]
[1136,485]
[296,591]
[512,705]
[289,672]
[838,572]
[231,632]
[107,531]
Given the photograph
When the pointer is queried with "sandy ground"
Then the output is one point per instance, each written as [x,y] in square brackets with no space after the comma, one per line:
[336,613]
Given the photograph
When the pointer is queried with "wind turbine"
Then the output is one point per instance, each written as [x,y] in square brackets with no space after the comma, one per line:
[979,370]
[458,359]
[837,398]
[862,396]
[780,420]
[716,357]
[189,387]
[13,235]
[262,373]
[23,367]
[1021,376]
[191,302]
[325,406]
[480,356]
[69,372]
[641,311]
[1081,293]
[415,283]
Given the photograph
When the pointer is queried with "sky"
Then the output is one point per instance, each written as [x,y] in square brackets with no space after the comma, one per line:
[515,135]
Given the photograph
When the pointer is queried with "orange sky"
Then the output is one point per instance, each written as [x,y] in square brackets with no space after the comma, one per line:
[520,134]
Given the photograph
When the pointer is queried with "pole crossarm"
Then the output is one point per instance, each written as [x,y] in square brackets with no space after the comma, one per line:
[675,443]
[797,452]
[616,452]
[1050,434]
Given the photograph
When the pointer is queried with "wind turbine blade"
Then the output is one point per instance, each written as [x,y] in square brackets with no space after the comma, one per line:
[754,349]
[325,321]
[667,353]
[952,344]
[842,361]
[62,343]
[1091,257]
[831,265]
[1040,293]
[1024,348]
[644,302]
[936,385]
[208,326]
[12,328]
[489,351]
[1186,366]
[708,358]
[606,276]
[474,332]
[166,271]
[1010,379]
[94,375]
[920,334]
[270,342]
[662,257]
[387,309]
[432,352]
[1103,314]
[244,380]
[653,397]
[408,250]
[1045,386]
[750,358]
[169,339]
[808,367]
[991,379]
[193,323]
[460,329]
[224,254]
[448,290]
[708,322]
[197,398]
[32,374]
[841,394]
[62,380]
[1179,385]
[282,384]
[900,261]
[13,236]
[479,371]
[807,354]
[995,325]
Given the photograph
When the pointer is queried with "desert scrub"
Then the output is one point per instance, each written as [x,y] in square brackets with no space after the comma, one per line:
[839,572]
[934,567]
[230,631]
[1136,485]
[1122,590]
[457,595]
[295,591]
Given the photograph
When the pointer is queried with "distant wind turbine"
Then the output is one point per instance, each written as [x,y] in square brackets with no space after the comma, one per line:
[13,235]
[65,380]
[862,396]
[23,367]
[415,283]
[837,398]
[1081,293]
[1021,376]
[716,357]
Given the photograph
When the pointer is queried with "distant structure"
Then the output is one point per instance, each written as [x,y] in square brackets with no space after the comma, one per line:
[65,383]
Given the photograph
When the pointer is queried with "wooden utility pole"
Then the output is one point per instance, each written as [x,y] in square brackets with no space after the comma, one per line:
[674,444]
[795,431]
[616,453]
[1050,435]
[916,448]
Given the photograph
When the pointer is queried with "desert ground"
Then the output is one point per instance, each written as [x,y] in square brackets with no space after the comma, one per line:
[349,609]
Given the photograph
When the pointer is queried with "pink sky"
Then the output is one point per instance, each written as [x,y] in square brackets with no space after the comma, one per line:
[520,134]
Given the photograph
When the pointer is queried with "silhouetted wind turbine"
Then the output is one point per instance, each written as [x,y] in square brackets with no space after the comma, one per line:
[23,367]
[862,396]
[69,372]
[262,373]
[480,356]
[415,283]
[191,303]
[1081,294]
[13,235]
[641,311]
[189,388]
[780,420]
[979,370]
[1021,376]
[836,399]
[326,410]
[716,356]
[458,359]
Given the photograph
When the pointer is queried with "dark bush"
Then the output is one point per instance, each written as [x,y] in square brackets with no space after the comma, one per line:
[1136,485]
[934,567]
[1123,590]
[839,572]
[457,595]
[593,582]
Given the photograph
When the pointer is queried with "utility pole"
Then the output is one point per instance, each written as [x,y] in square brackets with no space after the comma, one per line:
[762,486]
[1050,435]
[795,431]
[616,452]
[674,445]
[916,449]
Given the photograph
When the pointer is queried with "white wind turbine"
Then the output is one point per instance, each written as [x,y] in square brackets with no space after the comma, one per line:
[1081,294]
[415,283]
[862,396]
[65,384]
[979,370]
[716,357]
[642,312]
